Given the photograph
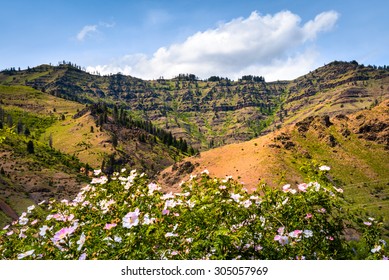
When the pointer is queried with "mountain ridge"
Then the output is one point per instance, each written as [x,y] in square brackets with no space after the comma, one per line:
[216,111]
[272,116]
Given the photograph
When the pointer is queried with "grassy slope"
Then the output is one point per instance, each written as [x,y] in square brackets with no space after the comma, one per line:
[34,177]
[358,165]
[28,177]
[75,137]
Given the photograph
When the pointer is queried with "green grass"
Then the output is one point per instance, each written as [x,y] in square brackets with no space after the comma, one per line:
[19,204]
[36,123]
[358,166]
[17,92]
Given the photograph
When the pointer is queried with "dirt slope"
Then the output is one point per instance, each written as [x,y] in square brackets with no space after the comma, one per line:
[356,146]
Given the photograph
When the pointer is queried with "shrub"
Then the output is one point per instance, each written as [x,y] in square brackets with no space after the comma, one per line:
[128,217]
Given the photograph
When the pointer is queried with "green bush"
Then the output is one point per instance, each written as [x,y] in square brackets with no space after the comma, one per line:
[128,217]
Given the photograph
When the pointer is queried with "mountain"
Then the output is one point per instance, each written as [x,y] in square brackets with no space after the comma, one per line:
[217,111]
[77,121]
[205,113]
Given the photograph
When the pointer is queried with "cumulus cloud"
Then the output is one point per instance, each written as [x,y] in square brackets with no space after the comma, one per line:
[86,31]
[274,46]
[322,22]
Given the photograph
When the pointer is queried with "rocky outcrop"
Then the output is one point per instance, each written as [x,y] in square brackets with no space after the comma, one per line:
[178,171]
[317,123]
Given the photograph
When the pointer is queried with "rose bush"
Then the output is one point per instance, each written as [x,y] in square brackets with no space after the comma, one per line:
[128,217]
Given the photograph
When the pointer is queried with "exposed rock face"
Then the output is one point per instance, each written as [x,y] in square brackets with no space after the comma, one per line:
[375,131]
[331,141]
[304,125]
[285,142]
[326,121]
[374,127]
[179,170]
[317,123]
[184,168]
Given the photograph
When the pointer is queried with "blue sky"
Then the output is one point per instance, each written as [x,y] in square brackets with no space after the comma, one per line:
[278,39]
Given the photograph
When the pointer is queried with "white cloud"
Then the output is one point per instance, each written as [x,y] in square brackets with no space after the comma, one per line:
[86,31]
[322,22]
[274,46]
[90,30]
[107,24]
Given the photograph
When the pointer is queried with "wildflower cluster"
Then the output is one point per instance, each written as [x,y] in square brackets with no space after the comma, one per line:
[129,217]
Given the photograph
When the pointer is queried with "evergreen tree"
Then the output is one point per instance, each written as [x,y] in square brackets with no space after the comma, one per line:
[184,146]
[27,132]
[30,147]
[101,120]
[87,168]
[19,127]
[2,114]
[9,121]
[115,114]
[170,139]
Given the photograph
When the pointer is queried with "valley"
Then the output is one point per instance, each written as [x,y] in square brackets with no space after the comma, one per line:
[253,130]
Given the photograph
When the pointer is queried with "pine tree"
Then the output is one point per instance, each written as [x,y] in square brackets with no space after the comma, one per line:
[115,114]
[30,147]
[19,127]
[9,121]
[103,165]
[27,132]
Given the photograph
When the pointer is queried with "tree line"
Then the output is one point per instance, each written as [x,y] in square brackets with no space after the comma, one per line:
[121,117]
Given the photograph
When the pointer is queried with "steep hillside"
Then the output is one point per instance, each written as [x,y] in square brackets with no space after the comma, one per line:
[205,113]
[31,170]
[355,146]
[338,87]
[217,111]
[49,146]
